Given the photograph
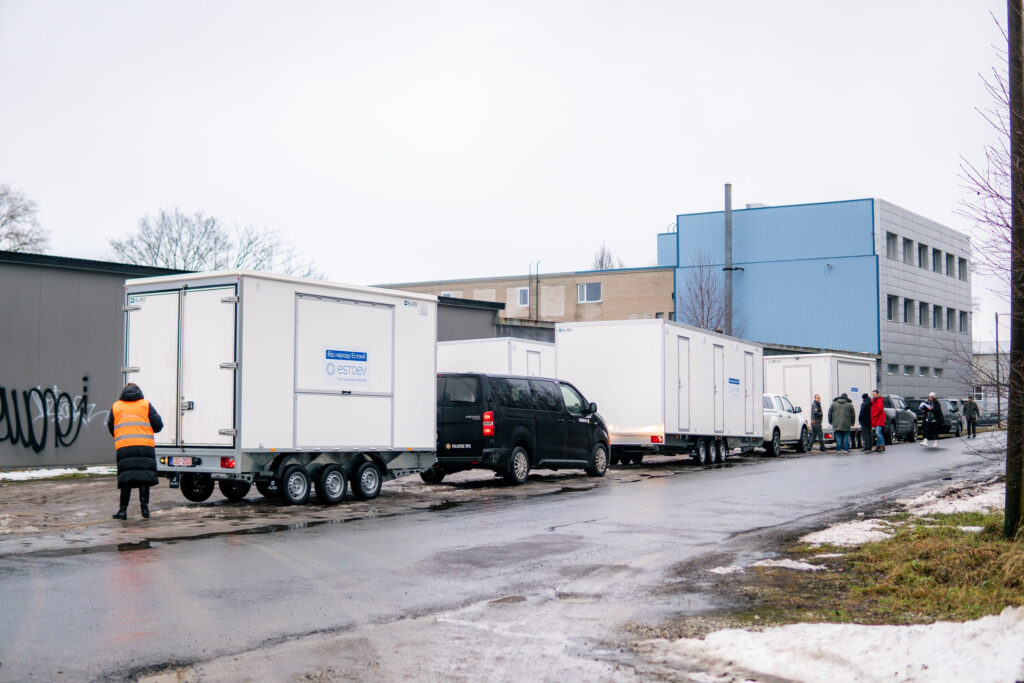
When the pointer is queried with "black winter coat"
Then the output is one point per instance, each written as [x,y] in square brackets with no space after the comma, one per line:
[864,416]
[136,465]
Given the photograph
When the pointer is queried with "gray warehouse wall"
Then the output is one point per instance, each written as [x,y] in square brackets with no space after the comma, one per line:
[465,319]
[61,347]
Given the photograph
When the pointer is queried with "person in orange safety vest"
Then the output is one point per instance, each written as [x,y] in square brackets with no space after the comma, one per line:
[133,422]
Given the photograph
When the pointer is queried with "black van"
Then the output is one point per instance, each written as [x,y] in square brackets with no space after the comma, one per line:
[514,424]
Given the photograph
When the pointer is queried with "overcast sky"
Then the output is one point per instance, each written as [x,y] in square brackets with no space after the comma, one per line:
[399,141]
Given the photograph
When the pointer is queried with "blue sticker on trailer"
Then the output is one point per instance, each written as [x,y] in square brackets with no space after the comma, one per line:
[346,355]
[734,380]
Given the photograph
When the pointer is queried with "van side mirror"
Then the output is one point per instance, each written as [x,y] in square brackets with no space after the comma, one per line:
[593,407]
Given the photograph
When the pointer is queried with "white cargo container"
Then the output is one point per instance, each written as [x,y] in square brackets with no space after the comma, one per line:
[498,355]
[281,381]
[666,387]
[800,377]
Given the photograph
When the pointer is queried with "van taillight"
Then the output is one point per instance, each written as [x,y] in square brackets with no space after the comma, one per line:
[657,439]
[227,462]
[488,423]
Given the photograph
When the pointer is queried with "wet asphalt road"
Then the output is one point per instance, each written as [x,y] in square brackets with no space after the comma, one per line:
[505,589]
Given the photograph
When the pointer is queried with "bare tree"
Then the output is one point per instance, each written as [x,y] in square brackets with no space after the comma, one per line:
[19,229]
[996,210]
[200,242]
[702,301]
[605,260]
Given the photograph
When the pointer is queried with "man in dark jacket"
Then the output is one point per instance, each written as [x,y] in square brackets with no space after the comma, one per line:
[971,415]
[132,423]
[816,417]
[864,417]
[842,416]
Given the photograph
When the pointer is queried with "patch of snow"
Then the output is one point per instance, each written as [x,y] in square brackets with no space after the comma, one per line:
[960,497]
[856,532]
[828,555]
[731,569]
[45,473]
[971,529]
[798,565]
[983,650]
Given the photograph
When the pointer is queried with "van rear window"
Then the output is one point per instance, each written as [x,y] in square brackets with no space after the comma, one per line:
[460,391]
[511,393]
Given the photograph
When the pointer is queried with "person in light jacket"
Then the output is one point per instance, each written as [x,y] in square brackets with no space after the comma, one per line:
[842,416]
[932,421]
[132,422]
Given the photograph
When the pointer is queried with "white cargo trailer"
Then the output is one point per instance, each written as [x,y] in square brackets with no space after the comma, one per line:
[799,377]
[666,387]
[497,355]
[281,382]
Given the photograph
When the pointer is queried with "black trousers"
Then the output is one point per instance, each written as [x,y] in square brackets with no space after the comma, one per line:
[867,436]
[972,428]
[126,494]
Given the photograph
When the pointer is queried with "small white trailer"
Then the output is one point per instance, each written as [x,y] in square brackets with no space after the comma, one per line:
[799,377]
[665,387]
[282,382]
[497,355]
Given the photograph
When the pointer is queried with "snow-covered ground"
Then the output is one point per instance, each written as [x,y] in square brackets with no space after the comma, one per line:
[987,649]
[25,475]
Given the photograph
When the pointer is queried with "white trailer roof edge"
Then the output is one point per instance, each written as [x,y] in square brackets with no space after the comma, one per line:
[823,354]
[491,340]
[235,275]
[661,321]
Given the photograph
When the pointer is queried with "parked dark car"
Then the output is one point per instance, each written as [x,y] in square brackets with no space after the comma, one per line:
[990,418]
[900,421]
[514,424]
[952,420]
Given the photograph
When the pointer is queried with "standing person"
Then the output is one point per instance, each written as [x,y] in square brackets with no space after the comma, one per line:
[932,421]
[132,422]
[971,415]
[864,417]
[878,420]
[816,417]
[842,416]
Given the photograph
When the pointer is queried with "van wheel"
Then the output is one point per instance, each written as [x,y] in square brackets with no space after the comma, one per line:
[804,444]
[700,454]
[267,489]
[433,475]
[234,490]
[366,482]
[599,461]
[196,487]
[774,447]
[294,485]
[331,485]
[518,466]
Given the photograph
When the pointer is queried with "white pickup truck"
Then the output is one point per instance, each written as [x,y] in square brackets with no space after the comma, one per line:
[784,425]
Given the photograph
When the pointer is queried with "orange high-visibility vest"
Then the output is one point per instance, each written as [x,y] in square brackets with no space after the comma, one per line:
[131,424]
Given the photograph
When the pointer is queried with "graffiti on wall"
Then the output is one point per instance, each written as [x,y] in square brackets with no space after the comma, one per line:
[27,418]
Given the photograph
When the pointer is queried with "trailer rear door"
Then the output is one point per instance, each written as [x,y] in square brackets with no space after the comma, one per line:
[208,366]
[151,355]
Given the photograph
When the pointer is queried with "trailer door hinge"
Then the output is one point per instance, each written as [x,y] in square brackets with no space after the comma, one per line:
[228,432]
[129,368]
[229,300]
[131,307]
[229,366]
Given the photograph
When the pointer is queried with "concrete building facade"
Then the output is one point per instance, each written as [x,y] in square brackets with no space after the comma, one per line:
[863,275]
[620,294]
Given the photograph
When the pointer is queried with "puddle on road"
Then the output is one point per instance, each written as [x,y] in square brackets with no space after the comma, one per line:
[445,505]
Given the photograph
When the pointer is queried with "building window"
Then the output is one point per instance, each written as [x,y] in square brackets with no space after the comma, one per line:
[922,314]
[938,372]
[908,311]
[892,369]
[922,371]
[524,296]
[962,273]
[447,293]
[937,317]
[950,319]
[922,256]
[892,305]
[891,246]
[963,322]
[908,251]
[950,266]
[588,293]
[936,260]
[671,315]
[908,369]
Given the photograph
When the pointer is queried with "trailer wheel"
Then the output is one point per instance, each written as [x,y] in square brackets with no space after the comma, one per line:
[234,490]
[518,466]
[294,485]
[613,459]
[700,455]
[599,460]
[433,474]
[803,445]
[719,452]
[637,458]
[196,487]
[267,488]
[774,446]
[331,485]
[366,481]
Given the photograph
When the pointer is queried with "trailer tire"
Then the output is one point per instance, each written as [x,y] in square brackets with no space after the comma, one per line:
[719,452]
[700,453]
[613,459]
[331,485]
[774,447]
[518,466]
[599,461]
[366,481]
[267,488]
[196,487]
[234,490]
[803,444]
[433,475]
[637,458]
[294,485]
